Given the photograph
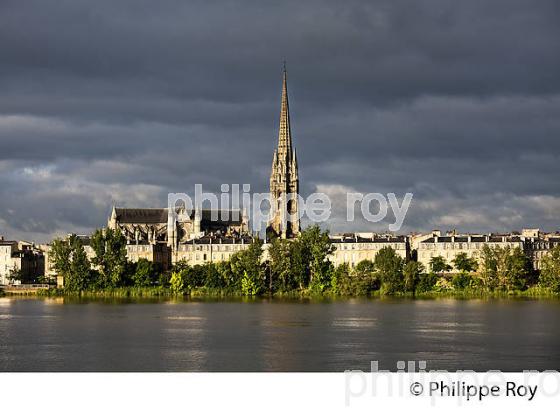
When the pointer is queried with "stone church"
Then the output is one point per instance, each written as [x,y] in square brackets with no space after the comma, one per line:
[157,225]
[151,226]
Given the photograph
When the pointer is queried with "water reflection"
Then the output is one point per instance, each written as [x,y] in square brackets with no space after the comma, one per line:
[276,335]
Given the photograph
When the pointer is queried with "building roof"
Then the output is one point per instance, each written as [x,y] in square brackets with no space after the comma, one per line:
[379,239]
[141,215]
[8,243]
[493,239]
[160,215]
[206,240]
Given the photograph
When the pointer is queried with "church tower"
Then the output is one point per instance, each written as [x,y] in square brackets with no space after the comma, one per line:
[284,180]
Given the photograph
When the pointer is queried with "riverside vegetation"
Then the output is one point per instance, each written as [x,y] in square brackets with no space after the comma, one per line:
[298,267]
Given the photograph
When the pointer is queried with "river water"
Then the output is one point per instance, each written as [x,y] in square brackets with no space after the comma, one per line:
[57,334]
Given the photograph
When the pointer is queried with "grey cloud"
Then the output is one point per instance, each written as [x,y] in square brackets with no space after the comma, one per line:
[102,102]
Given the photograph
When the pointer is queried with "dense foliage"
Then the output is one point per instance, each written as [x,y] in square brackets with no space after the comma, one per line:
[302,265]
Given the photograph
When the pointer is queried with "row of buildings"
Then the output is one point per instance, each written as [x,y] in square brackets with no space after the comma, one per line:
[19,259]
[350,248]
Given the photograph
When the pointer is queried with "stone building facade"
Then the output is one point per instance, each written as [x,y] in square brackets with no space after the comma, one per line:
[449,246]
[539,247]
[19,257]
[354,248]
[210,249]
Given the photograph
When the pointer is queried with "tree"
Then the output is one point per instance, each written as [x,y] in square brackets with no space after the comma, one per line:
[22,276]
[427,282]
[300,260]
[69,260]
[280,266]
[502,257]
[365,266]
[15,275]
[246,266]
[550,271]
[518,270]
[110,256]
[177,285]
[389,265]
[488,268]
[213,278]
[229,280]
[464,264]
[319,248]
[504,268]
[411,275]
[79,277]
[61,256]
[366,277]
[145,274]
[462,280]
[438,264]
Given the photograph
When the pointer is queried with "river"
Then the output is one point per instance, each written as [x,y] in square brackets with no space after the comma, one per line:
[57,334]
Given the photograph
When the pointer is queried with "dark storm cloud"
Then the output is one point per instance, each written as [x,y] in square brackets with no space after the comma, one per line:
[124,101]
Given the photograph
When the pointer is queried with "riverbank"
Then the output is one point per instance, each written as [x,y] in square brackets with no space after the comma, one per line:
[159,292]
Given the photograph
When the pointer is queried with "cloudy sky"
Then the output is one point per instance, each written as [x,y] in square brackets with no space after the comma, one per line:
[109,101]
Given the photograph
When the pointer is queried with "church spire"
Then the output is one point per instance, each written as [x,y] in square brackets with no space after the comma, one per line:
[284,180]
[285,131]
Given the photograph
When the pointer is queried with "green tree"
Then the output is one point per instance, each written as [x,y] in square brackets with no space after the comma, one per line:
[213,278]
[229,280]
[110,256]
[427,282]
[438,264]
[504,268]
[550,271]
[61,257]
[464,264]
[79,277]
[503,259]
[300,257]
[319,248]
[461,280]
[145,274]
[518,271]
[69,260]
[411,274]
[247,267]
[176,283]
[389,265]
[366,277]
[488,268]
[341,282]
[280,266]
